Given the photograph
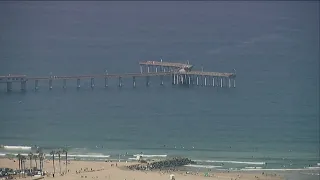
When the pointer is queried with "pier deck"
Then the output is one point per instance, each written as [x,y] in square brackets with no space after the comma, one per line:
[125,75]
[213,74]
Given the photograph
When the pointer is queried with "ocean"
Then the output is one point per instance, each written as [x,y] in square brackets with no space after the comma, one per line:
[269,121]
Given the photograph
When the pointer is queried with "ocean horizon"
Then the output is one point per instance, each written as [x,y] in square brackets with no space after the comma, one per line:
[269,121]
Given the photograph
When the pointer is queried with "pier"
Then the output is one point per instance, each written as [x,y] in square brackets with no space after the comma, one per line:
[180,73]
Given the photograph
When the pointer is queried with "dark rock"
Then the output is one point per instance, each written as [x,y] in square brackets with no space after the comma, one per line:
[165,164]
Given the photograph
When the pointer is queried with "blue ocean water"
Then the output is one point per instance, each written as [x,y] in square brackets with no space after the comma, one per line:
[270,120]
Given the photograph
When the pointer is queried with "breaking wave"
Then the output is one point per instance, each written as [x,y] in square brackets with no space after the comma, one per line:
[298,169]
[149,156]
[231,162]
[202,166]
[249,167]
[62,155]
[88,156]
[24,148]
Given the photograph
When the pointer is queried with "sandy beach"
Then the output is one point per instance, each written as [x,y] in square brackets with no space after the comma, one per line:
[117,171]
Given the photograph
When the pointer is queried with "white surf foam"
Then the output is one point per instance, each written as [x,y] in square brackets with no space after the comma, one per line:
[78,155]
[318,164]
[300,169]
[249,167]
[26,148]
[15,154]
[313,174]
[88,155]
[149,156]
[313,168]
[202,166]
[231,162]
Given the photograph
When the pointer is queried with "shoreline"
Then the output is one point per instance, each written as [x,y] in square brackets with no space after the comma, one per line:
[119,171]
[203,167]
[217,164]
[231,163]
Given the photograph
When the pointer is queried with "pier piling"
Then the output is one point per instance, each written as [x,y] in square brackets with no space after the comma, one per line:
[173,79]
[213,81]
[120,81]
[161,80]
[64,84]
[106,79]
[50,83]
[9,86]
[147,80]
[134,81]
[36,82]
[205,81]
[105,82]
[92,82]
[23,85]
[178,79]
[78,83]
[197,79]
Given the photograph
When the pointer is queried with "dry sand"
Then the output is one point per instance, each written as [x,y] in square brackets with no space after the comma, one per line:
[104,170]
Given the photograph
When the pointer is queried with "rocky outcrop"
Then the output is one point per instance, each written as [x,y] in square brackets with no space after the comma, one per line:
[165,164]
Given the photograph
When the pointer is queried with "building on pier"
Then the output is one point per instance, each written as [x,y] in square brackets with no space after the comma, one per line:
[147,66]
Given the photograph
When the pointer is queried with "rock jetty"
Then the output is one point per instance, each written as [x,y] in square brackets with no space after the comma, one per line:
[164,164]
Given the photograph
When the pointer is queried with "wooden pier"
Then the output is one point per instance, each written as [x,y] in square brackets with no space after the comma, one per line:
[180,73]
